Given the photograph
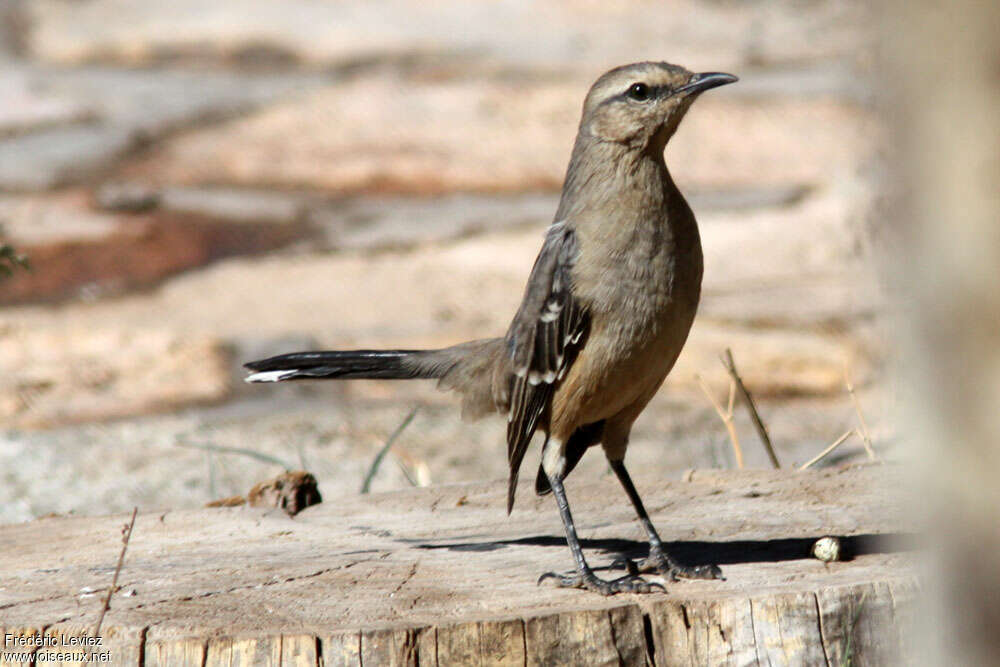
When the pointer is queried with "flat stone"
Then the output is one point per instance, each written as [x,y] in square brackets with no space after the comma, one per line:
[726,141]
[48,158]
[27,108]
[153,102]
[768,245]
[126,197]
[235,205]
[77,251]
[834,302]
[707,34]
[383,222]
[772,362]
[471,287]
[221,203]
[431,137]
[33,220]
[488,135]
[795,265]
[97,114]
[378,223]
[69,375]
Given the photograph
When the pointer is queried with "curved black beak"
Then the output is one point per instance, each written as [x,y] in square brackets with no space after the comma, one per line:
[699,83]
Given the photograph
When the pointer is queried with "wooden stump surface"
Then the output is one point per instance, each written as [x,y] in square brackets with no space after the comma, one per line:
[442,576]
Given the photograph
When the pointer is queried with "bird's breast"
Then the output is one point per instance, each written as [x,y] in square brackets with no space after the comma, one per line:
[642,303]
[643,275]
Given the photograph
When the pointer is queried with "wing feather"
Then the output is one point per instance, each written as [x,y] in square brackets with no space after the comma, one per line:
[542,341]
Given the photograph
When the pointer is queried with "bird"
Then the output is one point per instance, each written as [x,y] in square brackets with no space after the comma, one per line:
[606,311]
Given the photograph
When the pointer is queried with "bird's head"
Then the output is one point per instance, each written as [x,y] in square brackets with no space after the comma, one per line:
[642,104]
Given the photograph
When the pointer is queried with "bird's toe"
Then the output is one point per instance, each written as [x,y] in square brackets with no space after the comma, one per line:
[630,583]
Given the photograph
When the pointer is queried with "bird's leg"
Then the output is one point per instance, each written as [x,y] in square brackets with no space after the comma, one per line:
[584,577]
[659,560]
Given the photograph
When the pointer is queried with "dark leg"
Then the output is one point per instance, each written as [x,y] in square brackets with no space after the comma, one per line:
[659,560]
[584,576]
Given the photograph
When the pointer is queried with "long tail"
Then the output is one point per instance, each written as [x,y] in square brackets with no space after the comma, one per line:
[354,364]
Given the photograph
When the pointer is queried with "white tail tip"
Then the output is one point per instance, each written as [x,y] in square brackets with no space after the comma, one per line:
[270,376]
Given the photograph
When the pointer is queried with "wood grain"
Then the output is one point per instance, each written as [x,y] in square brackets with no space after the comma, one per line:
[440,576]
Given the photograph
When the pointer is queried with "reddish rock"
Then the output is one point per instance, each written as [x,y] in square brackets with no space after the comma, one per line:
[77,252]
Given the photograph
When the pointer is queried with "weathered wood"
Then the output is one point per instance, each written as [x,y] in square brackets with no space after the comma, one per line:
[174,652]
[226,651]
[441,576]
[342,650]
[299,651]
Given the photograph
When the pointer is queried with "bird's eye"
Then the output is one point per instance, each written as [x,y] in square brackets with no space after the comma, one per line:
[639,92]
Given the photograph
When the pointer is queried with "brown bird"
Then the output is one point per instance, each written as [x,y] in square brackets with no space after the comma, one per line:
[606,311]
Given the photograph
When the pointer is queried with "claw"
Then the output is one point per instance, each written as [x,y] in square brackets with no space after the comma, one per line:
[630,583]
[659,562]
[548,575]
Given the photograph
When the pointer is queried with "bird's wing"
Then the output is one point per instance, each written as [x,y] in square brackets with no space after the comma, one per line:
[542,342]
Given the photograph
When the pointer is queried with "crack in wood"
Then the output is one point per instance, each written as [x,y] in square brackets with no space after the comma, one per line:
[264,584]
[753,629]
[524,640]
[18,603]
[320,660]
[406,579]
[647,633]
[142,645]
[822,635]
[614,639]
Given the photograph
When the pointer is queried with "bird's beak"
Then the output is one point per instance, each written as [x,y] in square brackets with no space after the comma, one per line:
[699,83]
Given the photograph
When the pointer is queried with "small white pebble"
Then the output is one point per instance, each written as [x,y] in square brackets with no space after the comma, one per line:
[827,549]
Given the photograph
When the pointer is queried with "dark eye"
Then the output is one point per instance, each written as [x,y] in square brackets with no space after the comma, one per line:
[638,91]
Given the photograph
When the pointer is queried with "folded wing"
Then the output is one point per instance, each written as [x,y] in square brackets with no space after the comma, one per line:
[542,342]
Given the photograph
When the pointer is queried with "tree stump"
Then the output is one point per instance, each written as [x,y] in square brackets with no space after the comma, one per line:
[442,576]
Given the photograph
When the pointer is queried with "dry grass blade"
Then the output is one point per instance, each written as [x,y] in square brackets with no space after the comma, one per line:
[865,437]
[836,443]
[377,461]
[726,417]
[126,536]
[732,397]
[416,470]
[260,456]
[758,423]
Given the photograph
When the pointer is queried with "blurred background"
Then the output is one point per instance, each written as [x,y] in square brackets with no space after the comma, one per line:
[201,183]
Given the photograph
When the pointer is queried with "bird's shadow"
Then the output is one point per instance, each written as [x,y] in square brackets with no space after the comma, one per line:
[704,553]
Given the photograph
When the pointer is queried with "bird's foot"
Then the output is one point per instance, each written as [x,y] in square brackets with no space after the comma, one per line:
[660,562]
[587,580]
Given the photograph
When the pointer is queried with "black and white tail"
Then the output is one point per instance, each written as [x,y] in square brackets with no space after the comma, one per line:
[352,364]
[466,368]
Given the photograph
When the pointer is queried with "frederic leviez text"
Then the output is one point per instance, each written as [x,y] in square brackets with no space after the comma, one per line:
[54,648]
